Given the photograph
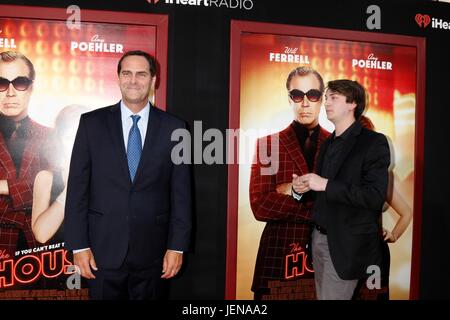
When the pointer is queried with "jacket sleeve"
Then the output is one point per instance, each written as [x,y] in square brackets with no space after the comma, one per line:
[181,207]
[371,192]
[77,201]
[266,203]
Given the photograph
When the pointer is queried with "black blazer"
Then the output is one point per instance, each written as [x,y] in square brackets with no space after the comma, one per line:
[107,212]
[355,195]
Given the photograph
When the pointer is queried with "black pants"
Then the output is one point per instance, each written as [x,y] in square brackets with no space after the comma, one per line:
[127,283]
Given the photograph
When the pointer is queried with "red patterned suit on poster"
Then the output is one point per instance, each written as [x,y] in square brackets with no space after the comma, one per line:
[283,270]
[22,152]
[287,230]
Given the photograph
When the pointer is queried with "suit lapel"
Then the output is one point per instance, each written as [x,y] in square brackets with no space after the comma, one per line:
[290,141]
[115,129]
[6,160]
[347,148]
[154,123]
[320,157]
[323,134]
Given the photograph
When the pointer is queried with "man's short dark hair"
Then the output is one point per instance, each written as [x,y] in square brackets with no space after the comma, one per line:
[303,72]
[352,91]
[9,56]
[150,59]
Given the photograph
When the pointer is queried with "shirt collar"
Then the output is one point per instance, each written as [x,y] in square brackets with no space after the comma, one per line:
[347,131]
[305,131]
[8,125]
[126,112]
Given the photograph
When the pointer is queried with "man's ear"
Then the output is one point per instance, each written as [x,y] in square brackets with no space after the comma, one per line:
[151,92]
[352,106]
[153,83]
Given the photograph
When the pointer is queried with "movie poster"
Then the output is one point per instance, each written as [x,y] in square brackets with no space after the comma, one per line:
[76,71]
[389,74]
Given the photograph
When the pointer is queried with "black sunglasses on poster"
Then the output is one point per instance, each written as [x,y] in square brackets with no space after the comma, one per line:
[313,95]
[19,83]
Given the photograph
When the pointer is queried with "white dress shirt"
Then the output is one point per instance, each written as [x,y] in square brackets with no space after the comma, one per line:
[127,122]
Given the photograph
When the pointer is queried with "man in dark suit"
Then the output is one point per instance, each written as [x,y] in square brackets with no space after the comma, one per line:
[351,185]
[282,254]
[23,152]
[128,207]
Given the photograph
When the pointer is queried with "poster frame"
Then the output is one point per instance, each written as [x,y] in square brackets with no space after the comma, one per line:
[238,28]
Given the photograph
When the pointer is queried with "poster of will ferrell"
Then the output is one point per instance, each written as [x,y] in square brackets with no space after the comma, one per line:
[269,257]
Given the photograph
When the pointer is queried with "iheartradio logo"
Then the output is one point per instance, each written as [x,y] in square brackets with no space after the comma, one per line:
[229,4]
[423,20]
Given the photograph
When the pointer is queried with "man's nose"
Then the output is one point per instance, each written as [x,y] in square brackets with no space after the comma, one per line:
[133,78]
[11,91]
[305,102]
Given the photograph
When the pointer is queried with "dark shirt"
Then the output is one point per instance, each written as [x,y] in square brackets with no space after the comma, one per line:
[15,141]
[309,152]
[302,134]
[328,167]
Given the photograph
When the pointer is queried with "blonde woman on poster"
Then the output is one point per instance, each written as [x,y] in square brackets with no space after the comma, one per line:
[404,214]
[50,187]
[394,199]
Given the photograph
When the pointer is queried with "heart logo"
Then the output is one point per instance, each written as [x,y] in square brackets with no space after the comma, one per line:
[422,20]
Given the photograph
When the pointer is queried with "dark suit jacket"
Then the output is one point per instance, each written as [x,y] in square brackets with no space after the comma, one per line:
[15,208]
[355,195]
[107,212]
[287,221]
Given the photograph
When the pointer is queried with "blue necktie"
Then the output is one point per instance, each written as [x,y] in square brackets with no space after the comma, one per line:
[134,148]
